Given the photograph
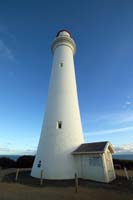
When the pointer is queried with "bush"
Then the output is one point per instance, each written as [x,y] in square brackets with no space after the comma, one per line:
[123,163]
[25,161]
[7,163]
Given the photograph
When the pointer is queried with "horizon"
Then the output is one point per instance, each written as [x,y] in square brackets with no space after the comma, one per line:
[103,34]
[35,154]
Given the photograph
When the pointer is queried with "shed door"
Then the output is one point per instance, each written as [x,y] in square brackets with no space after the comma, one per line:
[85,168]
[109,166]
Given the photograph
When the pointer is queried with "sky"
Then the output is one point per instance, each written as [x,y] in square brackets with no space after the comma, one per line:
[103,32]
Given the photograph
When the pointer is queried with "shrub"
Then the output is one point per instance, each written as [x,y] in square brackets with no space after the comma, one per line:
[7,163]
[123,163]
[25,161]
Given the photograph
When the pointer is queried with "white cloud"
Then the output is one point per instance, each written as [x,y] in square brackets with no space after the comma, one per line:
[114,118]
[108,131]
[8,149]
[12,151]
[28,152]
[125,119]
[128,103]
[5,52]
[4,149]
[125,148]
[129,97]
[101,117]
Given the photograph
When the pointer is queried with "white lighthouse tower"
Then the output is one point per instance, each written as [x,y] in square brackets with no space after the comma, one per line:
[62,130]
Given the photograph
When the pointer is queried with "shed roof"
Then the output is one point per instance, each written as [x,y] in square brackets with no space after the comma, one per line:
[95,147]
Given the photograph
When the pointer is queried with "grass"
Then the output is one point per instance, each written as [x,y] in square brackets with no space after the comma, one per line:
[28,188]
[122,173]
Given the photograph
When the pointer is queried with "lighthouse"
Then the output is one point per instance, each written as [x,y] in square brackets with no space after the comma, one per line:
[61,131]
[61,150]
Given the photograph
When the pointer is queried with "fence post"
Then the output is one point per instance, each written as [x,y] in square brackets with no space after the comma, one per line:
[126,173]
[0,174]
[41,177]
[76,182]
[17,173]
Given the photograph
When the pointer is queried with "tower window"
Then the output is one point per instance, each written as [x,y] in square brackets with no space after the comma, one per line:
[59,124]
[39,164]
[61,64]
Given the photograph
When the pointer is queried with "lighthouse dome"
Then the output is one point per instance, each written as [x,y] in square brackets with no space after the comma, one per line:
[63,37]
[63,32]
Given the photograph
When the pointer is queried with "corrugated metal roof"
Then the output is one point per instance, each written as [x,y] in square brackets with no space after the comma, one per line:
[95,147]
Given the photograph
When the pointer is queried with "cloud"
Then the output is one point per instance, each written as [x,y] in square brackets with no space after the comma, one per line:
[4,149]
[12,151]
[125,119]
[128,103]
[129,97]
[29,152]
[5,52]
[4,31]
[8,149]
[114,118]
[108,131]
[125,148]
[101,117]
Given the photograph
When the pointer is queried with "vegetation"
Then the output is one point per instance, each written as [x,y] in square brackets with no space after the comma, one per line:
[21,162]
[27,162]
[119,164]
[7,163]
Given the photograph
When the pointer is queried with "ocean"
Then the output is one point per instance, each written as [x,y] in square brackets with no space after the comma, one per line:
[118,156]
[13,157]
[123,156]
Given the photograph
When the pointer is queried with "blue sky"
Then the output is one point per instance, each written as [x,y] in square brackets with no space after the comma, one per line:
[103,32]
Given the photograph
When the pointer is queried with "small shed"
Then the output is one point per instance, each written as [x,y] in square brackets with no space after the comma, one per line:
[94,161]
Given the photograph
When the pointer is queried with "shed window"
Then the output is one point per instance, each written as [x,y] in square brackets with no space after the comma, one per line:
[59,124]
[94,161]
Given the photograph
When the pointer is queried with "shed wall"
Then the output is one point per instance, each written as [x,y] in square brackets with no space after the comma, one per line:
[109,167]
[90,167]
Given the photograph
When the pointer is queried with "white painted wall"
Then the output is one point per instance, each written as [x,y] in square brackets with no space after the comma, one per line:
[109,167]
[97,171]
[56,145]
[90,168]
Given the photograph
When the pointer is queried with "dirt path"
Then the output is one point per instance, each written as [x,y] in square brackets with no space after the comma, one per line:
[5,172]
[15,191]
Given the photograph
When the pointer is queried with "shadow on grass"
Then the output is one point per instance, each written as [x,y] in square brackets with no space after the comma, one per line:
[24,178]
